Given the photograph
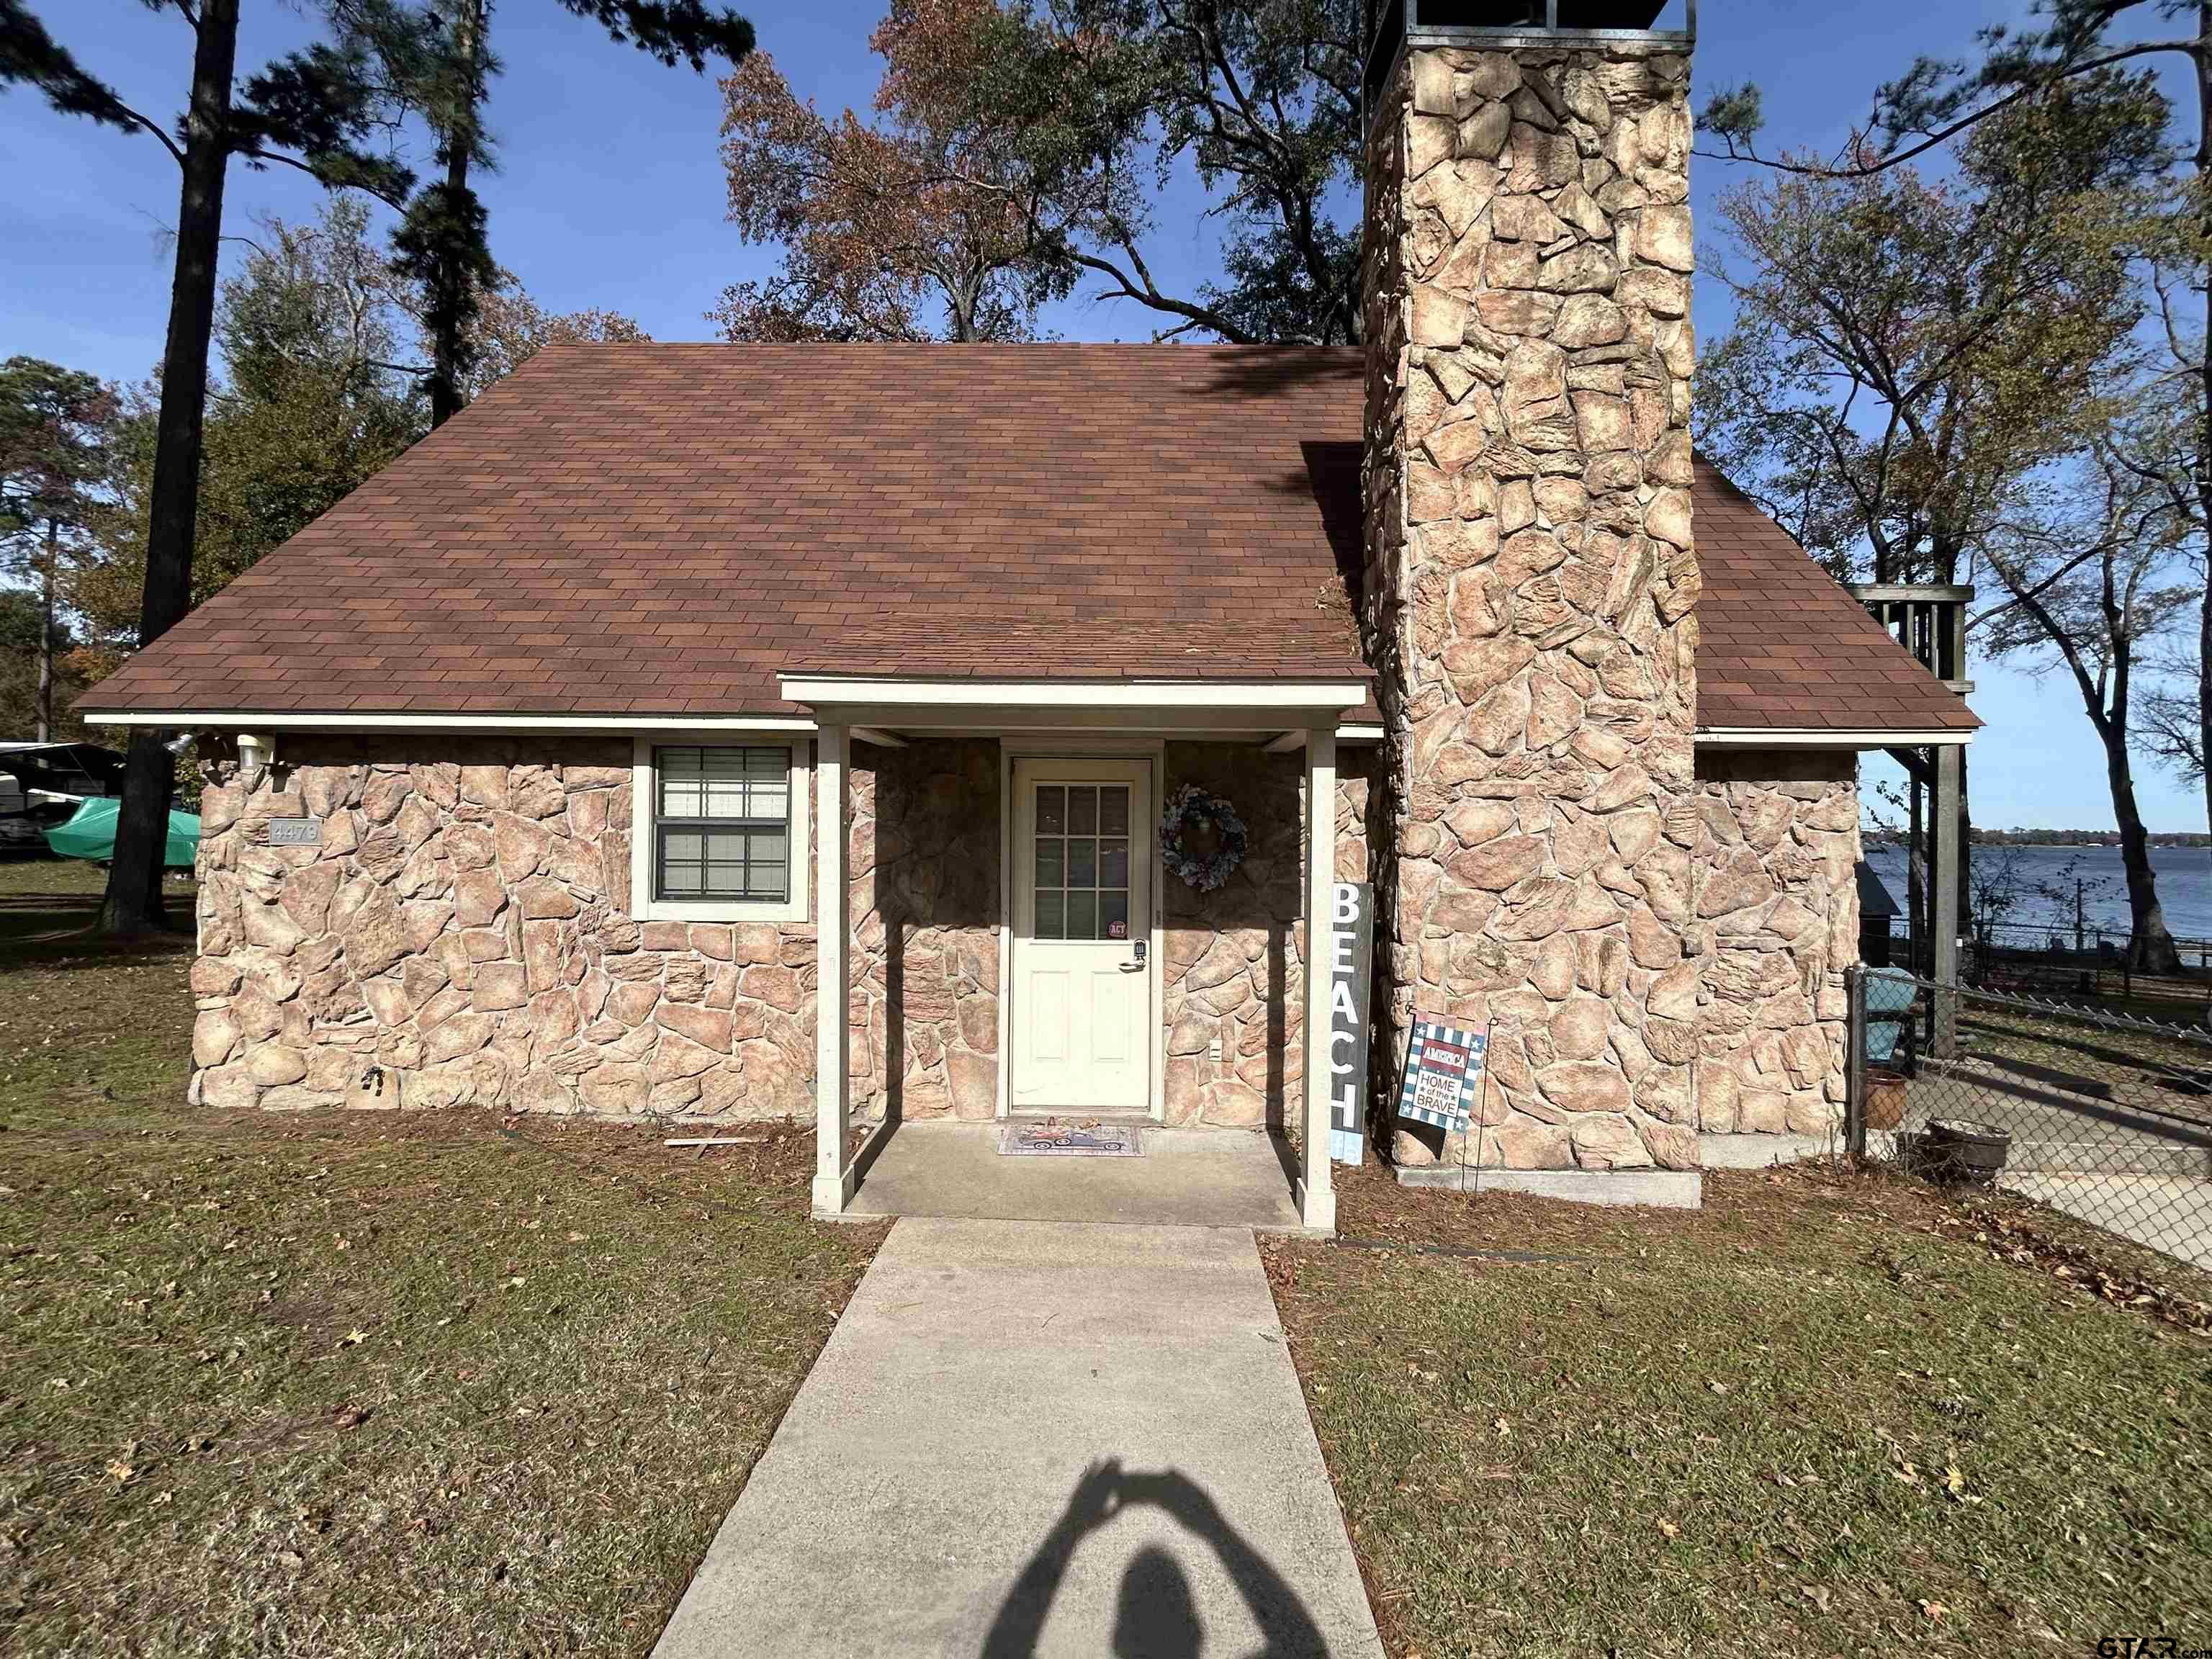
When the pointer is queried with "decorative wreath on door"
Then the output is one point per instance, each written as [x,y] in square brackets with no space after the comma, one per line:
[1201,838]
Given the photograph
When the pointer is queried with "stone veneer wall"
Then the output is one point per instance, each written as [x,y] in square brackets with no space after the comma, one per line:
[1234,974]
[461,936]
[926,909]
[1531,579]
[1777,849]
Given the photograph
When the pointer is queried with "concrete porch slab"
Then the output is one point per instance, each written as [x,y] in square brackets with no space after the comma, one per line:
[1034,1438]
[1185,1178]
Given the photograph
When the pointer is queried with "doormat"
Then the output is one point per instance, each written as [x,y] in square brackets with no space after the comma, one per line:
[1073,1137]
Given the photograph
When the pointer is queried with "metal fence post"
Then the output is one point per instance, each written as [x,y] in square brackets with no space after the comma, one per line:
[1855,1078]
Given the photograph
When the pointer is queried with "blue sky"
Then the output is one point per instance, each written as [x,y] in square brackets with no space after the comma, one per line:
[610,193]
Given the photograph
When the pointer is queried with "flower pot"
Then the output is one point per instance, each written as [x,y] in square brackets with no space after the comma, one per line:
[1885,1100]
[1963,1153]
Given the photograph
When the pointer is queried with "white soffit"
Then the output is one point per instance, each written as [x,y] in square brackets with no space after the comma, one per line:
[838,691]
[1777,737]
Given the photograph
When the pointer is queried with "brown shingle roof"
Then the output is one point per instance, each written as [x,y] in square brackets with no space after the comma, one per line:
[662,529]
[1780,643]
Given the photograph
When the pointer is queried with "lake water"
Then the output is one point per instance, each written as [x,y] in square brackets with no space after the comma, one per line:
[2185,883]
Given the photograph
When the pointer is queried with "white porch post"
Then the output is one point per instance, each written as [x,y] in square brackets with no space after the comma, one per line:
[832,1093]
[1316,1200]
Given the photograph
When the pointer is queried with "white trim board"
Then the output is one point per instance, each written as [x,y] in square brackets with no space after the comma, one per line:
[1744,737]
[624,725]
[580,724]
[816,690]
[1293,741]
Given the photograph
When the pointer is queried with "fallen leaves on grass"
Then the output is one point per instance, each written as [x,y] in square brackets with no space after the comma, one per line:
[2017,1240]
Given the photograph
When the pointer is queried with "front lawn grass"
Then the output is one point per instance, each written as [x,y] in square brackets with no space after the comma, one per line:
[342,1383]
[1828,1414]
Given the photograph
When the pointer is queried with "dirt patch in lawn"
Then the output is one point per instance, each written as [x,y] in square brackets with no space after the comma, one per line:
[1828,1413]
[363,1382]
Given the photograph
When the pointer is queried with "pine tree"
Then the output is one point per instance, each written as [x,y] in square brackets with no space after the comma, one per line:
[442,245]
[53,428]
[316,109]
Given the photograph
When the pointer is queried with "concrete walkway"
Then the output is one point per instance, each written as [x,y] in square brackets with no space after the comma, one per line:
[1040,1437]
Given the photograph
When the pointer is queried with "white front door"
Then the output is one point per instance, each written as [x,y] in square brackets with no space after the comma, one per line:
[1081,1021]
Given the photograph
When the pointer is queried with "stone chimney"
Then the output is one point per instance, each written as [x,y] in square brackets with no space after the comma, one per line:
[1531,573]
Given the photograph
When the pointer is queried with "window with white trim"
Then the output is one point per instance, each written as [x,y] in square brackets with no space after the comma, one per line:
[721,835]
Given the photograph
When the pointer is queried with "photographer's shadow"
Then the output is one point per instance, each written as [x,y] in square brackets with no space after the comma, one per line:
[1156,1615]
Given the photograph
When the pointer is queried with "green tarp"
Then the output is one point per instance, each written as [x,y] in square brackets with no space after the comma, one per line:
[91,835]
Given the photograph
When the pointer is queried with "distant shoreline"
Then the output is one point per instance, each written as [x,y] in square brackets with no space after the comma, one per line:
[2053,840]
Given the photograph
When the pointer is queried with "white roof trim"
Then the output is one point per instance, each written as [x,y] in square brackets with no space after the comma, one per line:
[1293,740]
[248,720]
[1785,736]
[1320,696]
[494,722]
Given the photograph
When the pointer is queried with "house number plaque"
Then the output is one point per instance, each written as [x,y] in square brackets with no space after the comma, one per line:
[295,832]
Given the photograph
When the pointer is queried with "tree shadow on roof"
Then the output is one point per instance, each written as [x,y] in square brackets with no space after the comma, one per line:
[1330,478]
[1252,370]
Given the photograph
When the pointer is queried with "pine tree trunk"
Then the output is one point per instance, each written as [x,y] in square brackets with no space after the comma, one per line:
[45,712]
[133,903]
[460,144]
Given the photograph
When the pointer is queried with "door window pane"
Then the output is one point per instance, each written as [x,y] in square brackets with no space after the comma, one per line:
[1080,858]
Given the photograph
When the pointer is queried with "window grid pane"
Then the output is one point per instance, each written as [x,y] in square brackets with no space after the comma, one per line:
[723,822]
[1081,861]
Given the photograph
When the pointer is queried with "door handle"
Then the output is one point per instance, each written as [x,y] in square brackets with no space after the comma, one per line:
[1133,967]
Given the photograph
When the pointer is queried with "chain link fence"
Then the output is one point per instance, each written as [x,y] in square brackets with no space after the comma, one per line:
[2063,959]
[2101,1115]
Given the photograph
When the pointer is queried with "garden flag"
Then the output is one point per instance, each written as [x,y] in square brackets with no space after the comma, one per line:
[1444,1075]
